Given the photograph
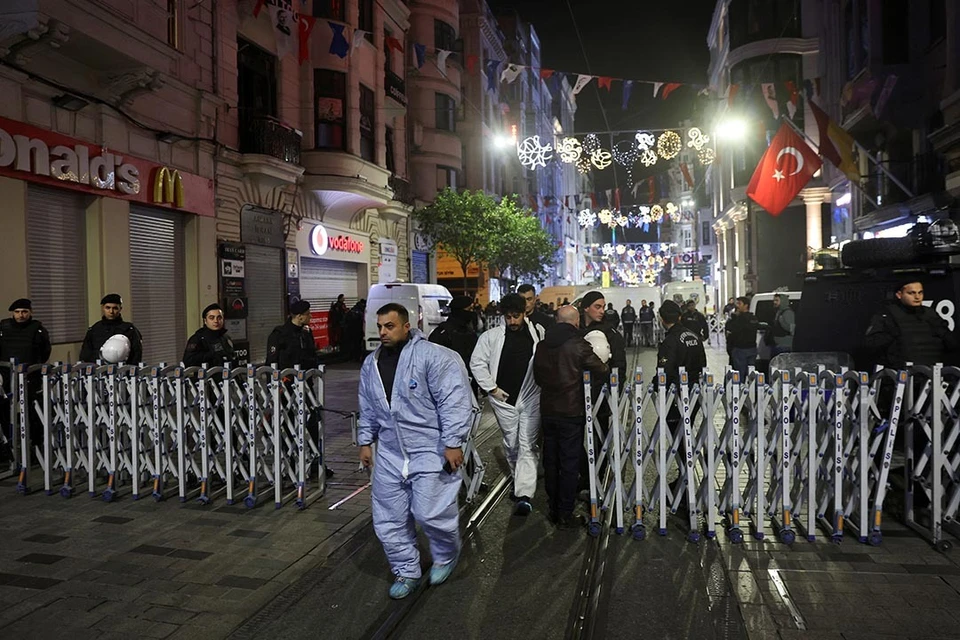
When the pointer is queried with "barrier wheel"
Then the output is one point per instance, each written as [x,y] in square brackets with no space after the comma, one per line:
[301,504]
[875,538]
[693,536]
[21,488]
[593,529]
[787,536]
[204,500]
[639,531]
[66,492]
[736,535]
[711,535]
[250,502]
[836,538]
[944,546]
[157,496]
[107,495]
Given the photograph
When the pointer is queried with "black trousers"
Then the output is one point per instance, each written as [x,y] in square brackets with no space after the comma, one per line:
[562,444]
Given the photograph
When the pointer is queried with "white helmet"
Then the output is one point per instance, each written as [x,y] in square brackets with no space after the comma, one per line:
[116,349]
[600,345]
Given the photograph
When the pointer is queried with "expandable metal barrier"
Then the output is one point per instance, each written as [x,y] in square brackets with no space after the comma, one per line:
[795,453]
[172,430]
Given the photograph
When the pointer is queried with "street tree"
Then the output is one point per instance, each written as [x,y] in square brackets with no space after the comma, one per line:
[523,249]
[463,224]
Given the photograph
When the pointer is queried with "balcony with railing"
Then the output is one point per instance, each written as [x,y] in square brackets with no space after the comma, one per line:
[266,135]
[402,189]
[921,174]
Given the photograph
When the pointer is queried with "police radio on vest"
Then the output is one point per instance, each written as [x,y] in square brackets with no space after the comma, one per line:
[105,171]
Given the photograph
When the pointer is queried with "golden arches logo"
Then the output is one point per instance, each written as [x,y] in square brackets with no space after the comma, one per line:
[168,187]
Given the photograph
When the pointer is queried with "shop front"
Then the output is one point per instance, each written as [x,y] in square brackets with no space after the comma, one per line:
[333,261]
[81,220]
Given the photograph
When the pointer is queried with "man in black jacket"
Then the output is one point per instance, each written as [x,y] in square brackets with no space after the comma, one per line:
[26,340]
[681,347]
[741,332]
[110,325]
[291,344]
[906,331]
[695,321]
[535,315]
[628,315]
[210,344]
[558,366]
[458,332]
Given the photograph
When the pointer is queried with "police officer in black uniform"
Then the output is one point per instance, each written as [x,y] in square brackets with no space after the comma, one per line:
[680,347]
[25,340]
[291,344]
[209,344]
[110,325]
[905,330]
[458,332]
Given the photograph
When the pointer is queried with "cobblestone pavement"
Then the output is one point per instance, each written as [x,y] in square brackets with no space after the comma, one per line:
[82,568]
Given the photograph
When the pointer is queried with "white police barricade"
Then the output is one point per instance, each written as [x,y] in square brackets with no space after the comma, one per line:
[792,453]
[197,430]
[9,406]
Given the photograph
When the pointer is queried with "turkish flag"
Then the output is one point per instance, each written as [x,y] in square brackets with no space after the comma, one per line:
[784,170]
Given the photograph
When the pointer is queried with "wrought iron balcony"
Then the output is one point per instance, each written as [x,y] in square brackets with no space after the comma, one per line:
[402,190]
[268,136]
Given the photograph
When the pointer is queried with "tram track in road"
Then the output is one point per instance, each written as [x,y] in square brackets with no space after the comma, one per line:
[392,622]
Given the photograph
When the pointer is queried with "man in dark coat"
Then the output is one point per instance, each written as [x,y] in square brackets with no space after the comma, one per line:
[209,345]
[291,344]
[534,314]
[25,340]
[558,365]
[906,331]
[458,332]
[110,325]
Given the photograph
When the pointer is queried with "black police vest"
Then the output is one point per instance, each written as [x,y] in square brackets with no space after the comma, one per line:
[917,343]
[19,341]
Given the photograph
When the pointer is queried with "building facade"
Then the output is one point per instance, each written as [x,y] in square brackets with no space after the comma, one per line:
[108,125]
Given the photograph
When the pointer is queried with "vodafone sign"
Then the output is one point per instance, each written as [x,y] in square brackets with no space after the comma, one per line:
[321,241]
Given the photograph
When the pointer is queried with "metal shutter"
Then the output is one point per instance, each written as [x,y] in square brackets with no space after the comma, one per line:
[321,281]
[57,261]
[265,294]
[157,280]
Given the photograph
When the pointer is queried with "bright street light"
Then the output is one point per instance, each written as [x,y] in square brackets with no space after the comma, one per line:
[731,129]
[501,141]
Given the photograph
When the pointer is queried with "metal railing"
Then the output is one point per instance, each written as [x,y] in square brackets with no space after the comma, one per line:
[268,136]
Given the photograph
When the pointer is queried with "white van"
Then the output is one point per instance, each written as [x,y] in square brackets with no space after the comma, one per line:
[556,295]
[761,306]
[680,292]
[427,304]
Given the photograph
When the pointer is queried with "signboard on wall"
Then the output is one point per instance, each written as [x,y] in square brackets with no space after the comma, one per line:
[233,297]
[261,226]
[388,261]
[420,267]
[320,327]
[293,276]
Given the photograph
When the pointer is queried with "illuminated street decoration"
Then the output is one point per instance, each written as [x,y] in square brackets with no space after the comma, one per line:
[570,150]
[587,218]
[706,156]
[696,139]
[648,157]
[601,159]
[669,145]
[532,154]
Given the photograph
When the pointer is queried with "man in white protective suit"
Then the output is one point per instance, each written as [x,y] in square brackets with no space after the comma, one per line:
[417,405]
[502,365]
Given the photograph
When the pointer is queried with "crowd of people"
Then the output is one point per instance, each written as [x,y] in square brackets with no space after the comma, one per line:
[418,402]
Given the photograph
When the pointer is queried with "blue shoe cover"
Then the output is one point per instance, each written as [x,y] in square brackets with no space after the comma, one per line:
[440,572]
[403,587]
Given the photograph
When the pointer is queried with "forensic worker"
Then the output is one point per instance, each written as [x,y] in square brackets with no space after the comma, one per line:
[502,364]
[416,404]
[110,325]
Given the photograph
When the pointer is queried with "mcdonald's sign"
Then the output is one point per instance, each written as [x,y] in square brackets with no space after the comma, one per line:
[168,187]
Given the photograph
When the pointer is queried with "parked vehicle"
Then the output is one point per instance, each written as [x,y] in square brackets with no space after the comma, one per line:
[427,304]
[762,307]
[680,292]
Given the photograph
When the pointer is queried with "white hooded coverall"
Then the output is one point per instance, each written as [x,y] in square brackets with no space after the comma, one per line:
[520,424]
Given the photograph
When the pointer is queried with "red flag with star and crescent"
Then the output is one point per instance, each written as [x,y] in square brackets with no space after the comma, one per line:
[784,170]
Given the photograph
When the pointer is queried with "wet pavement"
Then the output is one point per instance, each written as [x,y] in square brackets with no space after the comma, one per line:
[84,568]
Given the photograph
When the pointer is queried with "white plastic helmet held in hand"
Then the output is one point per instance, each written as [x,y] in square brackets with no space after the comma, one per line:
[600,345]
[116,349]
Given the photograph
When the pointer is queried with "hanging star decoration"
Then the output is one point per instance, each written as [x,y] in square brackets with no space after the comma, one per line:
[584,165]
[669,145]
[648,158]
[696,139]
[601,159]
[645,217]
[569,150]
[622,221]
[706,156]
[645,140]
[621,249]
[591,143]
[607,249]
[631,253]
[656,213]
[586,218]
[605,216]
[532,154]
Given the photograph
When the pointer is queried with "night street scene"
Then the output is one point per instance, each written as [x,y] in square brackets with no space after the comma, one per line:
[482,319]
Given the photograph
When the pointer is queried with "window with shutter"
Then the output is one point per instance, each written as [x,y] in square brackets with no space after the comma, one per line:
[57,261]
[264,270]
[157,281]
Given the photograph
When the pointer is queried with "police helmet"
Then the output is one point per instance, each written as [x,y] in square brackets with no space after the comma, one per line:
[116,349]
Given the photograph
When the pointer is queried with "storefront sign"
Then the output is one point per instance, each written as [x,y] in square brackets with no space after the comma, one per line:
[388,261]
[420,267]
[261,226]
[233,287]
[232,268]
[320,326]
[321,241]
[38,155]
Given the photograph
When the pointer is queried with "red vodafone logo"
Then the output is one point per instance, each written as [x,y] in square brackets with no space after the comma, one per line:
[321,241]
[345,243]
